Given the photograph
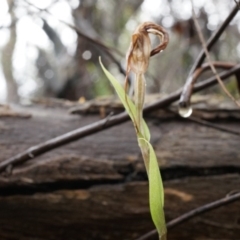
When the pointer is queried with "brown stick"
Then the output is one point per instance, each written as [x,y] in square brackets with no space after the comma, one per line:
[96,42]
[212,40]
[219,225]
[214,126]
[209,58]
[209,124]
[98,126]
[188,87]
[238,3]
[78,31]
[195,212]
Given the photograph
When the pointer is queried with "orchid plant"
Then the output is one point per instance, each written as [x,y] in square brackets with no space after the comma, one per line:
[138,57]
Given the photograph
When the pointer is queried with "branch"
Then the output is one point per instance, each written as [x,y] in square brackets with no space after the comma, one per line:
[214,126]
[188,87]
[96,42]
[219,225]
[209,58]
[238,3]
[98,126]
[209,124]
[212,40]
[193,213]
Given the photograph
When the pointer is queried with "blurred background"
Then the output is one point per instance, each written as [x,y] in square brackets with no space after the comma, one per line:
[41,54]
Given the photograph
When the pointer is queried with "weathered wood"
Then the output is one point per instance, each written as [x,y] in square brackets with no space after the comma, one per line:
[96,188]
[118,211]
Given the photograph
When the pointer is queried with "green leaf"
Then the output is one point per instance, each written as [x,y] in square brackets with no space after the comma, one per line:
[146,133]
[126,101]
[156,192]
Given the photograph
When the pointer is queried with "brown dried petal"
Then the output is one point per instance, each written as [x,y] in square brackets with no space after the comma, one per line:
[139,52]
[161,33]
[140,48]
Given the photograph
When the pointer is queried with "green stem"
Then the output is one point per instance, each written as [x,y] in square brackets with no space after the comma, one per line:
[139,95]
[163,237]
[145,153]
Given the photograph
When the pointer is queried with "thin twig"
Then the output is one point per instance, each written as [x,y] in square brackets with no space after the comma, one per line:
[188,87]
[212,40]
[193,213]
[198,87]
[205,208]
[214,126]
[96,42]
[238,3]
[219,225]
[209,124]
[209,58]
[98,126]
[78,31]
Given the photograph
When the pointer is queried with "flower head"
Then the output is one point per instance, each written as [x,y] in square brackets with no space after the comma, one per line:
[140,48]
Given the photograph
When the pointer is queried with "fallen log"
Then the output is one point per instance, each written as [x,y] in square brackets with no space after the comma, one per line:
[96,188]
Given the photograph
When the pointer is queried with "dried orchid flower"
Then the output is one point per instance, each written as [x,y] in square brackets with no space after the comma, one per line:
[138,57]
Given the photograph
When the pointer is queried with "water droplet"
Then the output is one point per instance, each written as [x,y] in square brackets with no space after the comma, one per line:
[185,111]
